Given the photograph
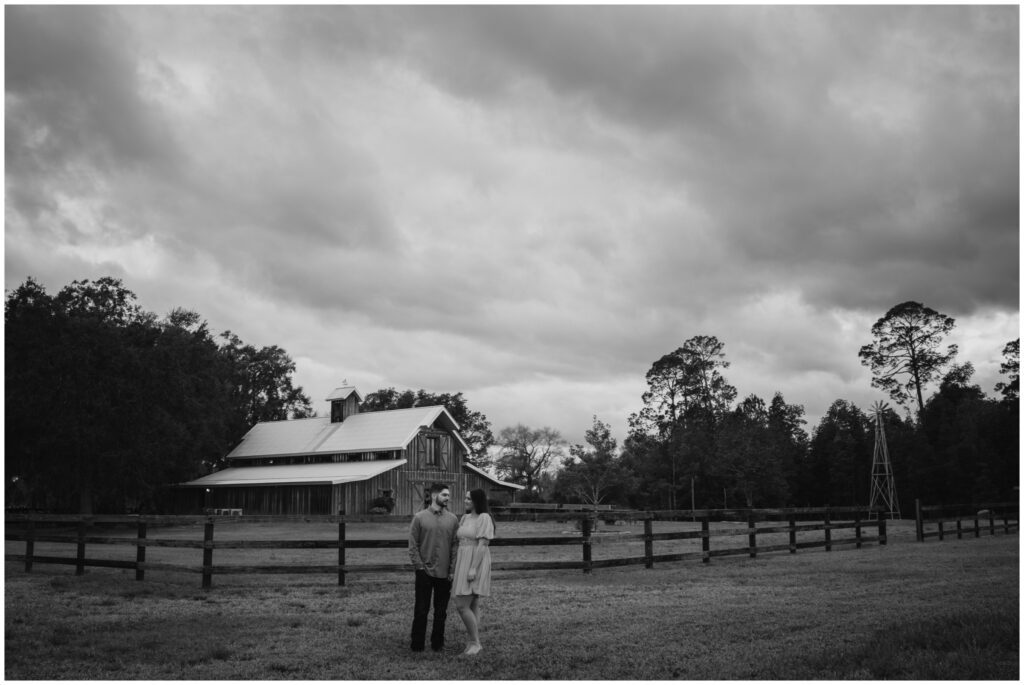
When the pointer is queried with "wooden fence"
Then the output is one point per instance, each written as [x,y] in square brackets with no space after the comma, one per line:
[979,519]
[32,529]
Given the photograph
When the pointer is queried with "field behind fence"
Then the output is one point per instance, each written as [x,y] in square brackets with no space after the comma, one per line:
[338,546]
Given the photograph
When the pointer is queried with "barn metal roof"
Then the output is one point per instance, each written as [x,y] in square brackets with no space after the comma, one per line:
[298,474]
[493,479]
[378,431]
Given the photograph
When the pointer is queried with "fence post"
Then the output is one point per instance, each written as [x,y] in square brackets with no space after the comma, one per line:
[941,535]
[856,529]
[80,558]
[341,552]
[208,554]
[792,533]
[991,522]
[705,539]
[977,527]
[1006,522]
[882,537]
[919,519]
[828,530]
[586,545]
[752,535]
[140,552]
[30,544]
[648,543]
[959,528]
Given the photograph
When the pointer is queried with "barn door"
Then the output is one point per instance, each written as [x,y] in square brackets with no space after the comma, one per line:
[418,493]
[446,453]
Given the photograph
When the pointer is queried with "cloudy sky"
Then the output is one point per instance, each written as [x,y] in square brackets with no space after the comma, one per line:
[528,205]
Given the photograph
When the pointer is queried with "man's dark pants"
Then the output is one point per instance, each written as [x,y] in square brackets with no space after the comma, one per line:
[441,589]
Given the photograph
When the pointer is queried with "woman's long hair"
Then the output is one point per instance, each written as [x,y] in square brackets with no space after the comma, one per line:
[479,498]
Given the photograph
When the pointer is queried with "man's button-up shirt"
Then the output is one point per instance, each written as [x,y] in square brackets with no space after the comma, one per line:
[433,541]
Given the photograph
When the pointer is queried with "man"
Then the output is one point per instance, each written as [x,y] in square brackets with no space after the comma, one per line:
[432,548]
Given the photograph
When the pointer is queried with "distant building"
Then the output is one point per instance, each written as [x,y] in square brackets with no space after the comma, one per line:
[350,462]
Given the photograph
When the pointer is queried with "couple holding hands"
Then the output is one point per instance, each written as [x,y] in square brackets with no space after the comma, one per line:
[451,557]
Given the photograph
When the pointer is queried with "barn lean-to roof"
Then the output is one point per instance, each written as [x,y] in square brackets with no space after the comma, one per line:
[298,474]
[315,474]
[491,478]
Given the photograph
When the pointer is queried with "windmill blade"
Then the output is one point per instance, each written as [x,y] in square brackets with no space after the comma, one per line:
[878,409]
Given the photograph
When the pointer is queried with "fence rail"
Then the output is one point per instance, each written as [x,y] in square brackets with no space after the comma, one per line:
[979,518]
[26,528]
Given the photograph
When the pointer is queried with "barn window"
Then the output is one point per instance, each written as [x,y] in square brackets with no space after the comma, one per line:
[432,452]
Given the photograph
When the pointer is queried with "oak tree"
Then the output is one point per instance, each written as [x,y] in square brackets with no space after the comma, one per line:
[261,388]
[106,404]
[525,453]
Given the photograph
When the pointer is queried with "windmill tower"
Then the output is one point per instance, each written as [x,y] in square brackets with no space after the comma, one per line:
[883,485]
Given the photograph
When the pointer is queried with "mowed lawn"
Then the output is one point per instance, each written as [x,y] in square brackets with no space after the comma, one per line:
[924,611]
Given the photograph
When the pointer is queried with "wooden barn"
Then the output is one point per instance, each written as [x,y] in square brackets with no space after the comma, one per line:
[351,462]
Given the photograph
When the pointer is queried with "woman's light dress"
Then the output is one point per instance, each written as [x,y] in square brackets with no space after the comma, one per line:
[471,528]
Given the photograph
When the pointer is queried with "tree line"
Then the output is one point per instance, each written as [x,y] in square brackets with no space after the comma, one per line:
[107,404]
[692,444]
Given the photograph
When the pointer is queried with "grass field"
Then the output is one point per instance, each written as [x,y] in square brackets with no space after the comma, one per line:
[924,611]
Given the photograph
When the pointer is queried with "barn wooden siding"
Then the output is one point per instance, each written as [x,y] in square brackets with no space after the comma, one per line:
[408,487]
[275,499]
[410,483]
[350,407]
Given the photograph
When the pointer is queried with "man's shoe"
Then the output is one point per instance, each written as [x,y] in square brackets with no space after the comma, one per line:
[416,648]
[437,648]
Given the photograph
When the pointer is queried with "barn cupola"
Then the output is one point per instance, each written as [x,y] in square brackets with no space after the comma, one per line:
[344,402]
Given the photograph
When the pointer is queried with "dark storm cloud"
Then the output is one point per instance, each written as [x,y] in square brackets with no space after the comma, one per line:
[750,100]
[524,200]
[78,120]
[72,95]
[652,66]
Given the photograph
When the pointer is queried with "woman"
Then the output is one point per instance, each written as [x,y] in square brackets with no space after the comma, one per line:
[473,565]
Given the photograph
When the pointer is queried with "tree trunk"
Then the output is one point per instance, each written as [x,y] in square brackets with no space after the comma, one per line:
[920,398]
